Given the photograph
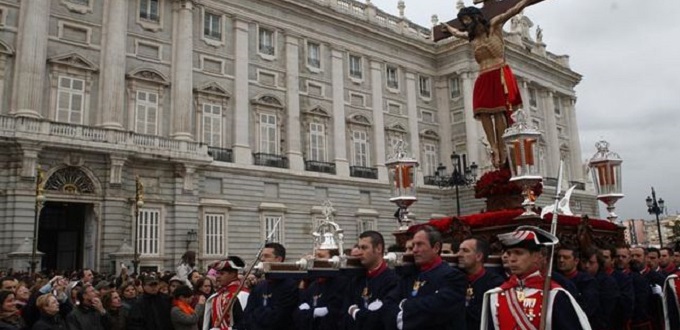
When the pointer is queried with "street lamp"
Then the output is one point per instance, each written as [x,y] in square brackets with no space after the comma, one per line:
[139,202]
[39,200]
[605,167]
[656,207]
[462,175]
[192,236]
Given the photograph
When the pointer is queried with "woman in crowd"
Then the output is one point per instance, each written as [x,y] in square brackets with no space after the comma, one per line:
[128,294]
[22,295]
[50,319]
[194,276]
[10,319]
[114,306]
[182,315]
[204,288]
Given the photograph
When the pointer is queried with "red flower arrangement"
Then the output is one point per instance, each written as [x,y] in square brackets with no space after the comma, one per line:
[497,183]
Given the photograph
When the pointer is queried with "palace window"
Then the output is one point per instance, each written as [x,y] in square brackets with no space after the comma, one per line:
[314,55]
[355,67]
[213,233]
[425,87]
[212,124]
[392,77]
[148,232]
[212,26]
[273,223]
[149,10]
[266,44]
[430,159]
[268,134]
[317,142]
[70,100]
[360,148]
[146,117]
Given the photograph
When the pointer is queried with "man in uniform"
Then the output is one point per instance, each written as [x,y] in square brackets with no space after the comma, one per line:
[666,261]
[217,315]
[368,293]
[588,294]
[518,303]
[434,296]
[272,301]
[653,259]
[592,263]
[641,318]
[624,305]
[472,254]
[654,281]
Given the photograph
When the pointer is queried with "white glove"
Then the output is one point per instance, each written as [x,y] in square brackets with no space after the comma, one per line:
[352,311]
[656,289]
[304,307]
[374,306]
[400,320]
[320,311]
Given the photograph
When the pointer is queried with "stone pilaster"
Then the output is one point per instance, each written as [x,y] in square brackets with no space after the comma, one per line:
[339,124]
[575,143]
[472,131]
[441,92]
[412,110]
[29,159]
[241,147]
[31,59]
[294,152]
[112,86]
[551,138]
[182,66]
[378,120]
[116,163]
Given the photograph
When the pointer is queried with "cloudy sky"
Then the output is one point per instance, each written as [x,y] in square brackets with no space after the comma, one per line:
[628,52]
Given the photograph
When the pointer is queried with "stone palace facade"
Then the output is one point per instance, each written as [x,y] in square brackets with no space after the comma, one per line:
[235,114]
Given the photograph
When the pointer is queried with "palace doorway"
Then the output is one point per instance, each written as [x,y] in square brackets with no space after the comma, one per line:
[62,234]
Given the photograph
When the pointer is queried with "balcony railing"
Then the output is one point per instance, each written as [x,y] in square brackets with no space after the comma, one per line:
[363,172]
[97,137]
[270,160]
[550,182]
[579,185]
[267,50]
[430,180]
[322,167]
[221,154]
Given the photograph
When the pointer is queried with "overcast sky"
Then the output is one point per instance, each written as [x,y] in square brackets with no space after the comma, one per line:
[628,52]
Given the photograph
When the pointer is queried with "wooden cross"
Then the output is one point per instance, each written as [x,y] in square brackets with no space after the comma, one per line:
[491,9]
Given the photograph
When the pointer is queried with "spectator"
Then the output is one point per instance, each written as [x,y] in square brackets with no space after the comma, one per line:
[186,265]
[183,316]
[114,307]
[194,276]
[103,287]
[204,289]
[9,283]
[129,295]
[151,310]
[50,319]
[10,318]
[22,294]
[90,313]
[163,288]
[175,283]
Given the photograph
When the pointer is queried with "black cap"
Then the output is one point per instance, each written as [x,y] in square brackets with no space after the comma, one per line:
[149,278]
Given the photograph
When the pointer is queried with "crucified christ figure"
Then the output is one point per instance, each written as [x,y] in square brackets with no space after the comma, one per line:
[495,94]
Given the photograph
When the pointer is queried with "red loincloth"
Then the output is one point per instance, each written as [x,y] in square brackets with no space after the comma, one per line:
[496,91]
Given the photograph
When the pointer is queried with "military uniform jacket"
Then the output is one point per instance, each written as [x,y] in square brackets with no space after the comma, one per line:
[383,285]
[588,293]
[624,306]
[474,295]
[271,304]
[323,292]
[434,298]
[609,295]
[518,302]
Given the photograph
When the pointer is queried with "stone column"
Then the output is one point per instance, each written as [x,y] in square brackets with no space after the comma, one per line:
[575,143]
[31,59]
[551,138]
[378,120]
[112,82]
[412,110]
[443,99]
[339,124]
[241,147]
[294,152]
[472,131]
[182,67]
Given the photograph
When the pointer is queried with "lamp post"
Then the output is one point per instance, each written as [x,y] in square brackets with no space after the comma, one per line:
[521,144]
[401,170]
[656,207]
[192,236]
[139,202]
[605,167]
[39,200]
[462,175]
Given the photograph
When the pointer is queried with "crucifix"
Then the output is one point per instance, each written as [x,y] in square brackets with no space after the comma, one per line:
[496,94]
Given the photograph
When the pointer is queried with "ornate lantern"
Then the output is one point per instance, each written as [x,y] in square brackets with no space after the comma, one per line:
[402,176]
[605,167]
[328,235]
[521,144]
